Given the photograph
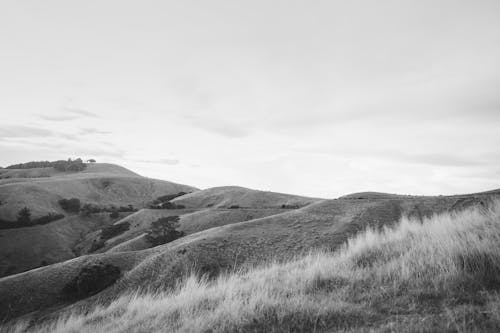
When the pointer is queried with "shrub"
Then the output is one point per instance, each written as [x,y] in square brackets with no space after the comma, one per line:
[167,205]
[286,206]
[164,230]
[92,279]
[24,216]
[163,202]
[114,230]
[48,218]
[96,245]
[88,209]
[24,219]
[114,214]
[128,208]
[70,205]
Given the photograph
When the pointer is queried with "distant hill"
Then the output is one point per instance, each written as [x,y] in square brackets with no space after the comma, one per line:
[240,197]
[99,184]
[40,189]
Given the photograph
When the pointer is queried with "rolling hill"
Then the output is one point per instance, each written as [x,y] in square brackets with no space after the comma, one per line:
[226,229]
[40,190]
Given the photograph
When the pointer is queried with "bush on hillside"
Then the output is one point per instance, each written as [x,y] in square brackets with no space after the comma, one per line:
[114,230]
[70,205]
[164,230]
[114,214]
[128,208]
[163,202]
[96,245]
[24,219]
[287,206]
[24,216]
[167,205]
[50,217]
[92,279]
[88,209]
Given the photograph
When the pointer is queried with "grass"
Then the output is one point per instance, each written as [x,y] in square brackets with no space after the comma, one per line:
[440,274]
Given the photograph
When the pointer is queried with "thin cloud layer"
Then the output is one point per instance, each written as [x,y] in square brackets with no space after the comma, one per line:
[321,98]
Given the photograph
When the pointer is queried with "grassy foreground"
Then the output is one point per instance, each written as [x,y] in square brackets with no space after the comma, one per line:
[440,274]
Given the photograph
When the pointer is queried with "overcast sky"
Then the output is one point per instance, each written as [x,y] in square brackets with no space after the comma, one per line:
[319,98]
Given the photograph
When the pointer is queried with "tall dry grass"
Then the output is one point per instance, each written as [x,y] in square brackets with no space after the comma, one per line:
[441,274]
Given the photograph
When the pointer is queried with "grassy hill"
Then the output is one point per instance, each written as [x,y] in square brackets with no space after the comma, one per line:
[325,224]
[40,190]
[240,197]
[229,233]
[191,221]
[99,184]
[441,274]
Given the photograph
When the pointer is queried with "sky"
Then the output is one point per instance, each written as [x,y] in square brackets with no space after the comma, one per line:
[319,98]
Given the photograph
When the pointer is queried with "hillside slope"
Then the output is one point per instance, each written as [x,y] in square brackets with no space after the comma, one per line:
[326,224]
[432,275]
[99,184]
[40,189]
[234,196]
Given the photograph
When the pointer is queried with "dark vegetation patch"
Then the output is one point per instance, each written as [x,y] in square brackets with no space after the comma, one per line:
[92,279]
[97,244]
[88,209]
[286,206]
[24,219]
[60,165]
[70,205]
[164,230]
[114,230]
[163,202]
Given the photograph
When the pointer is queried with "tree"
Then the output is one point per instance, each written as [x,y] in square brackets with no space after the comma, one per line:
[92,279]
[86,210]
[70,205]
[164,230]
[24,216]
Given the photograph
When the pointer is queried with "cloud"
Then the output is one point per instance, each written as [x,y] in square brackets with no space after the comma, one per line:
[14,131]
[80,112]
[85,131]
[68,114]
[220,126]
[58,117]
[168,161]
[437,159]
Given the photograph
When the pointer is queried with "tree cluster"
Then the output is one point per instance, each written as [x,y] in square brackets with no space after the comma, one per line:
[92,279]
[164,230]
[24,219]
[60,165]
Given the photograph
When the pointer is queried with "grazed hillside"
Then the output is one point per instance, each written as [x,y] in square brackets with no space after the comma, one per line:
[323,224]
[100,184]
[441,274]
